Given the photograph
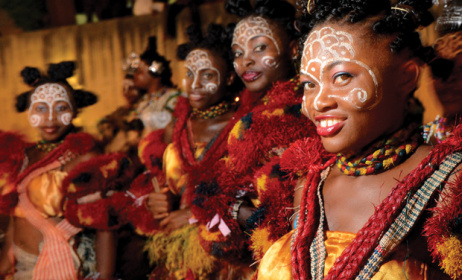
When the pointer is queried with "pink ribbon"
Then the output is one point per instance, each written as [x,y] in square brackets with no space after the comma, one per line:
[224,229]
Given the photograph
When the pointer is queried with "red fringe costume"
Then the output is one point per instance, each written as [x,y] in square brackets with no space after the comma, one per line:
[252,167]
[197,172]
[94,178]
[441,224]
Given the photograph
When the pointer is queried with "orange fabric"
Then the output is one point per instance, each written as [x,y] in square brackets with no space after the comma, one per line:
[276,262]
[335,243]
[45,193]
[176,177]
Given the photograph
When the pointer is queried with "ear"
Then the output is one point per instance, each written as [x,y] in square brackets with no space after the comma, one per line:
[293,47]
[230,78]
[410,72]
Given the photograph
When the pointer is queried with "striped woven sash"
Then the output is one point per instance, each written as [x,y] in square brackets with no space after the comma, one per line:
[55,259]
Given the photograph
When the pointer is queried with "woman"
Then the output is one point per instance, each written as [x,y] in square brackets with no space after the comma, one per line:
[199,132]
[153,76]
[370,211]
[447,86]
[42,190]
[263,46]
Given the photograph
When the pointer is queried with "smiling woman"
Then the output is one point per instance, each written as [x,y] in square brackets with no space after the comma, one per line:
[42,190]
[370,211]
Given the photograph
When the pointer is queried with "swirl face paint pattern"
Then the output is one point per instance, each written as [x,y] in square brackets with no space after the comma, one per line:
[250,28]
[323,50]
[48,94]
[196,61]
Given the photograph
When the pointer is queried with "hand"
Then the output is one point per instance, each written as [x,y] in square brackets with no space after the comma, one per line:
[160,204]
[175,220]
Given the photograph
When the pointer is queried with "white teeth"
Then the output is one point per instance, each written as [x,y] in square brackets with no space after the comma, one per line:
[329,122]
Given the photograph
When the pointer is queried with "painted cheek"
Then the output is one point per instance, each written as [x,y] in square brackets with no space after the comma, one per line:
[270,62]
[66,118]
[236,66]
[211,88]
[35,120]
[304,108]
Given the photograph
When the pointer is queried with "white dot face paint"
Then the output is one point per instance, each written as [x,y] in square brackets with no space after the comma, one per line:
[198,61]
[251,28]
[43,101]
[326,48]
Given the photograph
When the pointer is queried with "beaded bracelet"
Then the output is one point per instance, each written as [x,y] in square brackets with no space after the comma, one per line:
[235,210]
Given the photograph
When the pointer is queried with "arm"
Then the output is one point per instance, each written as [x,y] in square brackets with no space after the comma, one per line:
[106,252]
[6,266]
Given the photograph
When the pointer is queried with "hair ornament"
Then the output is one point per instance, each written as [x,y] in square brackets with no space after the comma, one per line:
[408,10]
[310,6]
[156,67]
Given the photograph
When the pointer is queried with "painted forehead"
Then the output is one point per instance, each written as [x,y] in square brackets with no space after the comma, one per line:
[50,93]
[327,44]
[250,28]
[197,60]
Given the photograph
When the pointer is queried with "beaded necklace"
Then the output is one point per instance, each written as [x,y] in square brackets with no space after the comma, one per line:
[437,128]
[386,153]
[211,112]
[46,146]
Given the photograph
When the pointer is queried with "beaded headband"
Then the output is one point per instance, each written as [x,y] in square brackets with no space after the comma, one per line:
[449,46]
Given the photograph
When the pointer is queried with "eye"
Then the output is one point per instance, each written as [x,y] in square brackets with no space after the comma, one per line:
[342,78]
[260,48]
[207,76]
[61,108]
[308,85]
[237,54]
[189,74]
[41,108]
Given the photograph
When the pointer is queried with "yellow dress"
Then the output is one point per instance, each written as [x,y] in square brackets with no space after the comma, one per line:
[276,264]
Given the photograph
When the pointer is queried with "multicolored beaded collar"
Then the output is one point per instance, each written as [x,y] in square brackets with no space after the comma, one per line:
[386,153]
[211,112]
[46,146]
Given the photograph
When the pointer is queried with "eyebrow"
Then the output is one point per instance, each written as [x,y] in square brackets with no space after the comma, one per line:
[333,64]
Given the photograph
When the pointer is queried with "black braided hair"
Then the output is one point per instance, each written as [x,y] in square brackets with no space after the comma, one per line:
[56,73]
[150,55]
[217,40]
[401,18]
[279,11]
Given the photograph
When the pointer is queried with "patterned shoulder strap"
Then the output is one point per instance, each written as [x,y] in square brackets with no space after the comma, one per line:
[408,216]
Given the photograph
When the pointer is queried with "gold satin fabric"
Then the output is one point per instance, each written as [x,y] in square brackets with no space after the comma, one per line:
[276,261]
[276,264]
[45,193]
[176,177]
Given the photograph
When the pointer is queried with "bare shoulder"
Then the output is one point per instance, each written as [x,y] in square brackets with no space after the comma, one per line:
[298,191]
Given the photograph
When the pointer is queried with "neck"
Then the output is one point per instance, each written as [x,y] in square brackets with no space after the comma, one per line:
[155,86]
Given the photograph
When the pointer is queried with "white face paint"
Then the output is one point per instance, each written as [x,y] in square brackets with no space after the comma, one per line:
[250,28]
[196,61]
[327,47]
[48,94]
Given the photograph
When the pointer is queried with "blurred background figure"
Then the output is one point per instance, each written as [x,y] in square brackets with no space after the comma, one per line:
[153,76]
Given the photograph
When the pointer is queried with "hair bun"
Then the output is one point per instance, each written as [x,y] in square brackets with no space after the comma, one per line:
[84,98]
[61,71]
[30,75]
[240,8]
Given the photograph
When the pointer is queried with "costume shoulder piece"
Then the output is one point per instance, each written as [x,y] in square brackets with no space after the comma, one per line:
[444,228]
[12,157]
[90,189]
[304,154]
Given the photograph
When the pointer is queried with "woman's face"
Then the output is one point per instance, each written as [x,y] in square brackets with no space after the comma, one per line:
[51,111]
[206,78]
[351,90]
[450,91]
[141,78]
[261,55]
[130,92]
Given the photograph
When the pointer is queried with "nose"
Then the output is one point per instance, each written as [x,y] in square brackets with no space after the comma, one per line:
[196,83]
[248,61]
[324,101]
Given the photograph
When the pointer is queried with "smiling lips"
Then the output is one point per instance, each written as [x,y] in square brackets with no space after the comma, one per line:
[329,126]
[250,76]
[50,130]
